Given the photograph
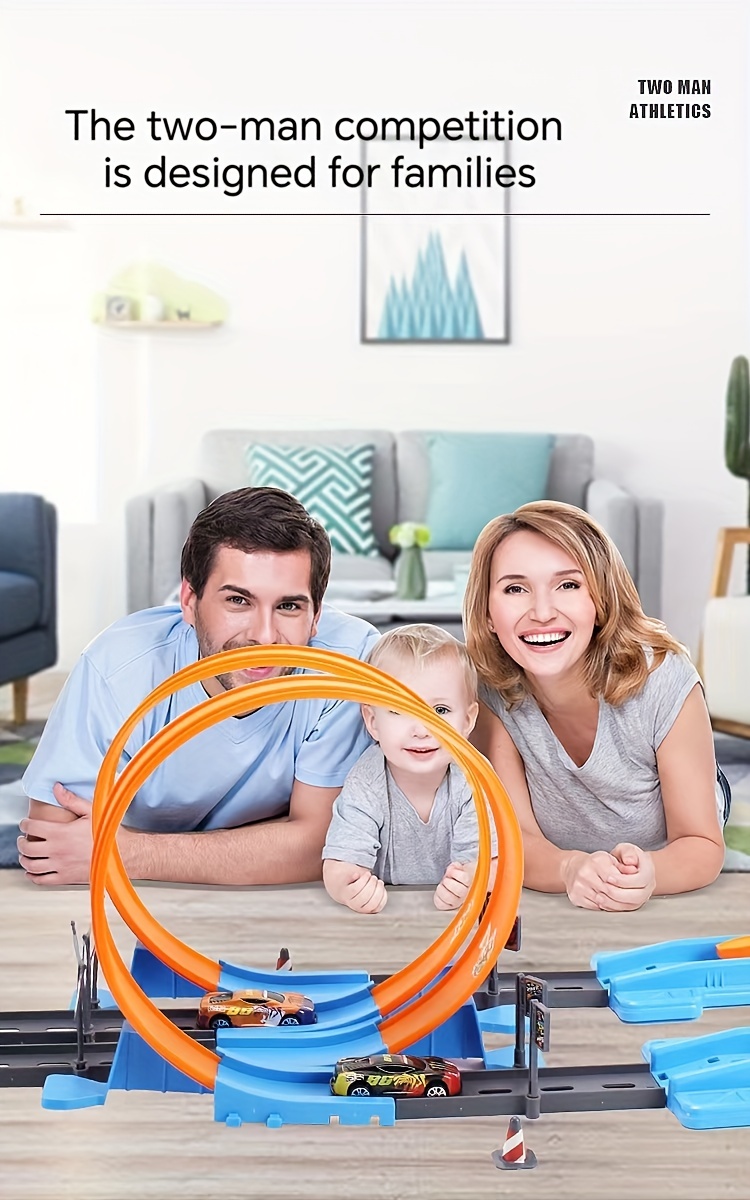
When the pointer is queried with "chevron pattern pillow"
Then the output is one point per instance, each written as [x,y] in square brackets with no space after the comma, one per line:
[333,482]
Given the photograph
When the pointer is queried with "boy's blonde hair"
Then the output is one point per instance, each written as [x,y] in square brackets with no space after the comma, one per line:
[420,644]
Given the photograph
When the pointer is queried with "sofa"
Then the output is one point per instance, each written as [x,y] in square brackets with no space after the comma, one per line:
[157,522]
[28,592]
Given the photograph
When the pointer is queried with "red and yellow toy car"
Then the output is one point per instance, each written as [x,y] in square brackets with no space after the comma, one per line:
[220,1010]
[395,1075]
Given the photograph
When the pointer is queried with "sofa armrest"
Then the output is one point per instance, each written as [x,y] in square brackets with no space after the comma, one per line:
[635,527]
[650,554]
[156,525]
[617,512]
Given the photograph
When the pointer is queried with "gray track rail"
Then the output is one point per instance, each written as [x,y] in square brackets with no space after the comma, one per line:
[36,1044]
[561,1089]
[484,1093]
[565,989]
[59,1026]
[49,1046]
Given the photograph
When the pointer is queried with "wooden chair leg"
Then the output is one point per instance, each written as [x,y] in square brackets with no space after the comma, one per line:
[736,728]
[20,700]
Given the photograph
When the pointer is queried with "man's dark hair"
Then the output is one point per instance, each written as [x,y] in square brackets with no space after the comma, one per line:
[250,519]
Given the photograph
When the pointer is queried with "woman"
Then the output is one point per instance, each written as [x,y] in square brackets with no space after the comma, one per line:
[592,715]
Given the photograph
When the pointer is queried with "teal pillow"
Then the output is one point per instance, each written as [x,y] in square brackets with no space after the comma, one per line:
[477,476]
[333,482]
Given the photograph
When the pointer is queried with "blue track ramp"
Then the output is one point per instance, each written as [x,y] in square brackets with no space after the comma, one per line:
[271,1050]
[243,1093]
[707,1079]
[672,981]
[340,998]
[282,1075]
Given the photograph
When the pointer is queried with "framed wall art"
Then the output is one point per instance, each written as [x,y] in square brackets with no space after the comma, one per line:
[435,259]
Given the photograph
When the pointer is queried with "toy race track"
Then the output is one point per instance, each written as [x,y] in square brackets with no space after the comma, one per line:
[438,1005]
[250,1078]
[286,1072]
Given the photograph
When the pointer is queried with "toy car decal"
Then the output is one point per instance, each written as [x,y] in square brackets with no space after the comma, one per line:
[268,1016]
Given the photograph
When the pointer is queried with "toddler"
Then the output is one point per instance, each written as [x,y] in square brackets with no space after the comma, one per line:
[405,813]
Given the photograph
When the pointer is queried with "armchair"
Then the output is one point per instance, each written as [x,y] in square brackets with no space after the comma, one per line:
[28,592]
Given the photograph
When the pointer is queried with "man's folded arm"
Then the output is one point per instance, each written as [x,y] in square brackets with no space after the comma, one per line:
[285,850]
[56,848]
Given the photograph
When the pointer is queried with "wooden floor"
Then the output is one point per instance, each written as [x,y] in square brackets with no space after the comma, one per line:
[145,1146]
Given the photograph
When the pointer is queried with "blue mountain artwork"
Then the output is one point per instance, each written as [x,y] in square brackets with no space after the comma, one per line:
[430,308]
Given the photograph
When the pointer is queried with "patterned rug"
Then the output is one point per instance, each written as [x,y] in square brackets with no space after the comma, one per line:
[17,746]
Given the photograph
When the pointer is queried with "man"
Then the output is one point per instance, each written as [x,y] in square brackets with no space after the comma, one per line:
[247,801]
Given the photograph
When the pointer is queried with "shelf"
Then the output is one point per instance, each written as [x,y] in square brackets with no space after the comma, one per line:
[30,223]
[165,325]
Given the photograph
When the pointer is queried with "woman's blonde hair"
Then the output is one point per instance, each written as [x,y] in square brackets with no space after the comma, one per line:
[615,665]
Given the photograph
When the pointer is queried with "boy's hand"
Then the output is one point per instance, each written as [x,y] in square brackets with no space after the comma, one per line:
[452,889]
[366,894]
[354,886]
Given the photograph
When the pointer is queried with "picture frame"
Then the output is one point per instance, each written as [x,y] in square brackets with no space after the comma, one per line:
[435,261]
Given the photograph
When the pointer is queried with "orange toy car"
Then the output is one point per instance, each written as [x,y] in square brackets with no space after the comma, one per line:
[220,1010]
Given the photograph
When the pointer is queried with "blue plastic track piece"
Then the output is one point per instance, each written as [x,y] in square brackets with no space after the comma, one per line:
[235,978]
[244,1095]
[707,1079]
[646,958]
[458,1037]
[72,1091]
[158,980]
[501,1019]
[136,1066]
[503,1058]
[341,998]
[673,981]
[305,1048]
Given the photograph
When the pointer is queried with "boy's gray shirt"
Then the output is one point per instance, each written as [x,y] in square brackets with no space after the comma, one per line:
[616,795]
[390,838]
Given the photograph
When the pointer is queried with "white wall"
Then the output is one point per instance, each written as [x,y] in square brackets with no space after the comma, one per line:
[622,327]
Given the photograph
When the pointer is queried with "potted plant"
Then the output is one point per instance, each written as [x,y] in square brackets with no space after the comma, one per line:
[411,538]
[737,440]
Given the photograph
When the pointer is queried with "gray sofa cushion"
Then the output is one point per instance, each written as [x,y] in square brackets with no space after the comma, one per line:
[571,469]
[20,603]
[359,567]
[222,460]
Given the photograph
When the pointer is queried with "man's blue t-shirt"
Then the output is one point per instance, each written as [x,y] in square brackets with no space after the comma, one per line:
[239,770]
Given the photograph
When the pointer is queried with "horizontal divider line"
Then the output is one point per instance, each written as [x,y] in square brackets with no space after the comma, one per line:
[374,214]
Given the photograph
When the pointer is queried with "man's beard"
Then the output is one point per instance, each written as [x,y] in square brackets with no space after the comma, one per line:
[231,679]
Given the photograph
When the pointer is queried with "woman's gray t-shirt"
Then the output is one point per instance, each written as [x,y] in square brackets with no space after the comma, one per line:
[615,796]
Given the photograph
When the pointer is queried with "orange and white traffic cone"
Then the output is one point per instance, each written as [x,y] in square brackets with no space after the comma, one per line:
[283,962]
[514,1156]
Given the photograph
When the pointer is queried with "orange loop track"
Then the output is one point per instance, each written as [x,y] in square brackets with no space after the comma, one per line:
[407,1018]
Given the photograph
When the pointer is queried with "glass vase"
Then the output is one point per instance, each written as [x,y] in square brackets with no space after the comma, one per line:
[411,582]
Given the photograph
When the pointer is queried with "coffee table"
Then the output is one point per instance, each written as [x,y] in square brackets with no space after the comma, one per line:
[441,606]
